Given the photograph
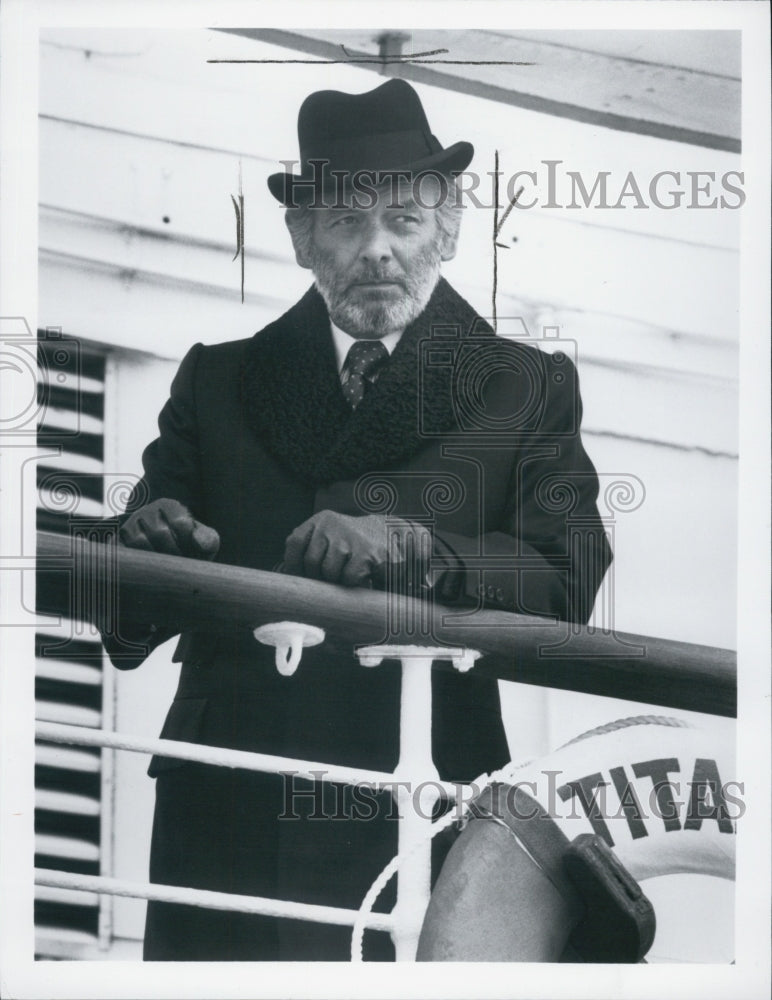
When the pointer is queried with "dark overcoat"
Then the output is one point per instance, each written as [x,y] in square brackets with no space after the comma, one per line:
[473,436]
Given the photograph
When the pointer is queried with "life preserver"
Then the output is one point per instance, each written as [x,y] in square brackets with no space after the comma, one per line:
[662,794]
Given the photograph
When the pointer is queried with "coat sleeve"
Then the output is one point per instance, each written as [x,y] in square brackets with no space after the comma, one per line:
[549,553]
[171,462]
[171,470]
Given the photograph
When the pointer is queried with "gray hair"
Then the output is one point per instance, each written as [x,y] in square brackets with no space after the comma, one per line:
[300,220]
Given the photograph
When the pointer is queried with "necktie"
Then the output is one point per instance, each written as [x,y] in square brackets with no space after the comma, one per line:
[362,360]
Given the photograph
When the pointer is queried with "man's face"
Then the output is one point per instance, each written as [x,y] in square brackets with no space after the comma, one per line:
[376,268]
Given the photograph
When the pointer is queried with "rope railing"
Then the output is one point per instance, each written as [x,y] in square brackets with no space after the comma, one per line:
[191,594]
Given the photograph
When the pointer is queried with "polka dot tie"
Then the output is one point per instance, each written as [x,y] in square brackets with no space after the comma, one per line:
[362,361]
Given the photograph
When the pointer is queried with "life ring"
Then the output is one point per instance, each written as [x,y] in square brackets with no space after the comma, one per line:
[662,795]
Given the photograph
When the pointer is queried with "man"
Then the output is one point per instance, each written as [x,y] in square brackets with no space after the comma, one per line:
[378,434]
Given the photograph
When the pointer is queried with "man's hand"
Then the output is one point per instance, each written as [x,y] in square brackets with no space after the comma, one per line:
[355,551]
[166,526]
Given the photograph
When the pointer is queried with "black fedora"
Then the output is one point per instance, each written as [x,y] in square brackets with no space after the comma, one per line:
[380,131]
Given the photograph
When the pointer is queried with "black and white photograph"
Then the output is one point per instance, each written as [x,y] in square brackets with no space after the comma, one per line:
[384,459]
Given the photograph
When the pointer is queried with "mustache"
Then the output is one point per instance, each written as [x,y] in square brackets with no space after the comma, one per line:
[375,274]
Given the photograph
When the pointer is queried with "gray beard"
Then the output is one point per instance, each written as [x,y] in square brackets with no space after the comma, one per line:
[375,319]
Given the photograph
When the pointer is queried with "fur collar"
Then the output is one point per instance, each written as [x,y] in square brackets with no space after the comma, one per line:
[294,402]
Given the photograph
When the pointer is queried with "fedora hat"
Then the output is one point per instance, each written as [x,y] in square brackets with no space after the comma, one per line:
[382,130]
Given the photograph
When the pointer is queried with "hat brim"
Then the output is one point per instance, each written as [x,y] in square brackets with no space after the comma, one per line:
[294,189]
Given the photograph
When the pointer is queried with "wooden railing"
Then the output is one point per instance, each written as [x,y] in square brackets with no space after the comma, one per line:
[190,594]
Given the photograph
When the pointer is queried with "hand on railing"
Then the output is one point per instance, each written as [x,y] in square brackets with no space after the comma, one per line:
[357,551]
[167,526]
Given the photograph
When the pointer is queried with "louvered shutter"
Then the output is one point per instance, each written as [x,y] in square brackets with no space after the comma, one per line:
[71,814]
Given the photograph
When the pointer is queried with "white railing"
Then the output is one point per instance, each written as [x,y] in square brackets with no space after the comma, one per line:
[415,770]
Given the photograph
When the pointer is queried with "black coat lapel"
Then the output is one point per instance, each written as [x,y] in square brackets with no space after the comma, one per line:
[294,401]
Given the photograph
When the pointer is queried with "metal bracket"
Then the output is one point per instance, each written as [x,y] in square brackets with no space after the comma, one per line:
[289,638]
[462,659]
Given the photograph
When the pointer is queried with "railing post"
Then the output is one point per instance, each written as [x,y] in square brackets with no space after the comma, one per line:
[415,803]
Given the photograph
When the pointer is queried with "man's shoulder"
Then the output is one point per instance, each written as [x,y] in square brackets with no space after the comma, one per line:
[226,349]
[453,319]
[527,351]
[479,348]
[216,363]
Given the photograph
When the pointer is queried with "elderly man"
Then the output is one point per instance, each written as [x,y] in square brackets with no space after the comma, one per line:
[378,434]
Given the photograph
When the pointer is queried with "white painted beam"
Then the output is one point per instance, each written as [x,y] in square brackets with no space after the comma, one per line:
[551,77]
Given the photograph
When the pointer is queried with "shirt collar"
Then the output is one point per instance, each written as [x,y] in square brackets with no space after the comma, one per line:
[343,342]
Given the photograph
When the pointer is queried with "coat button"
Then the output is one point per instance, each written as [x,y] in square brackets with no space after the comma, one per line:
[491,592]
[500,595]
